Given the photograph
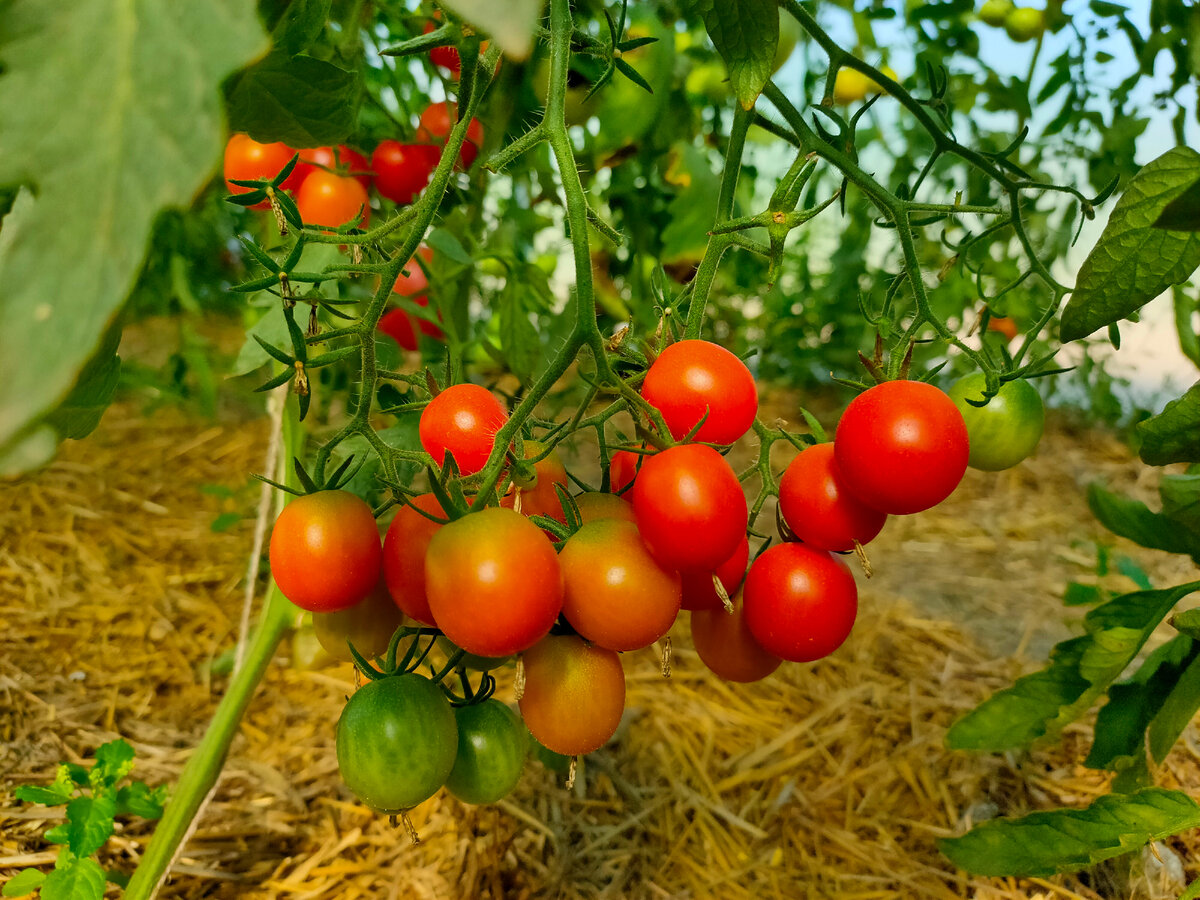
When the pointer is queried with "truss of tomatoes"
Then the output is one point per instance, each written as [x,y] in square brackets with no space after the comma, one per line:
[611,575]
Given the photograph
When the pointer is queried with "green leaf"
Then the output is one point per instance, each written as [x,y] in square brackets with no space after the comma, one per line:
[1192,892]
[745,33]
[1181,500]
[302,101]
[691,212]
[1064,840]
[1083,594]
[1134,520]
[114,761]
[78,879]
[448,246]
[24,882]
[1182,213]
[1187,622]
[139,800]
[110,110]
[518,334]
[1174,434]
[79,414]
[1134,262]
[1176,711]
[300,25]
[59,834]
[403,436]
[56,793]
[90,823]
[511,23]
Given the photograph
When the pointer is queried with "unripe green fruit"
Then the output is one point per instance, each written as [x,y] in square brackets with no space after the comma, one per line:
[995,12]
[1024,24]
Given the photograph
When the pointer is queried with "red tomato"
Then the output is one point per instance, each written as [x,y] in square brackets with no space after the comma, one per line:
[325,552]
[462,420]
[541,499]
[692,378]
[690,507]
[901,447]
[698,590]
[728,648]
[493,582]
[248,160]
[340,160]
[333,200]
[397,323]
[623,468]
[403,170]
[446,57]
[799,603]
[436,122]
[616,594]
[818,508]
[574,694]
[594,506]
[404,548]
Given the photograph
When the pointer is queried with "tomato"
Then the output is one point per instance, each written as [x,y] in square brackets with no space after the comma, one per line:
[368,625]
[595,505]
[623,468]
[901,447]
[1024,24]
[994,12]
[691,378]
[698,589]
[574,694]
[615,594]
[851,86]
[340,160]
[541,499]
[404,548]
[491,752]
[462,420]
[1005,326]
[436,122]
[403,170]
[397,323]
[690,507]
[248,160]
[333,200]
[493,582]
[396,742]
[444,57]
[819,509]
[799,603]
[1006,430]
[325,552]
[728,648]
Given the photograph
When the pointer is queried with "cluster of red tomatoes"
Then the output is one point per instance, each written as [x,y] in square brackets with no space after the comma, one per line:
[570,582]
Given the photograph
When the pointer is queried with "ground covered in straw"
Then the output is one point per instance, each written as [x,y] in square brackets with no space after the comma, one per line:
[829,780]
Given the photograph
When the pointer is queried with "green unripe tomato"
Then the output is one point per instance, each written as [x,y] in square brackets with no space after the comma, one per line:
[995,12]
[491,752]
[1005,431]
[1024,24]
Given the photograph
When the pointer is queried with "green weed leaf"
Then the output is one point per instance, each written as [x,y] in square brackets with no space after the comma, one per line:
[56,793]
[24,882]
[114,761]
[139,800]
[745,33]
[77,879]
[90,823]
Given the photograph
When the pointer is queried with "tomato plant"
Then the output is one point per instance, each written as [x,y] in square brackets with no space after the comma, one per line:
[901,447]
[819,509]
[615,593]
[491,752]
[727,647]
[396,742]
[574,694]
[493,582]
[698,380]
[325,551]
[462,422]
[326,198]
[404,548]
[799,603]
[1007,429]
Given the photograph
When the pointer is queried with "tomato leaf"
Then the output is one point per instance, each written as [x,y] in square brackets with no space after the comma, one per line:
[1174,434]
[745,33]
[300,24]
[1064,840]
[1134,520]
[79,414]
[1182,213]
[510,23]
[1134,261]
[24,882]
[74,879]
[1187,622]
[110,112]
[302,101]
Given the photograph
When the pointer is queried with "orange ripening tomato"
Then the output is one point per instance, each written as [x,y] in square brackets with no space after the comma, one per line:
[595,505]
[333,200]
[574,694]
[248,160]
[367,625]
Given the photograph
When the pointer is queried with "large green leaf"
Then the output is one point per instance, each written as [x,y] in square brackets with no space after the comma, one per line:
[1134,520]
[1134,262]
[302,101]
[74,879]
[1182,213]
[745,33]
[1174,434]
[1064,840]
[1176,712]
[109,111]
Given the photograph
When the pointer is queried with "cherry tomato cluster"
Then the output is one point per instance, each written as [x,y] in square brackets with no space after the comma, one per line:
[570,582]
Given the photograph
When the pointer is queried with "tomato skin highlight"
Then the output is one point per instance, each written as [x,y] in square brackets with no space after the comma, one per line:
[332,200]
[492,745]
[248,160]
[698,590]
[819,509]
[369,625]
[396,742]
[616,594]
[799,603]
[690,507]
[727,647]
[404,548]
[574,694]
[901,447]
[493,582]
[693,377]
[462,420]
[402,171]
[1005,431]
[325,552]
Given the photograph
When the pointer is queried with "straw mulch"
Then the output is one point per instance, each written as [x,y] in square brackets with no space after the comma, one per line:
[827,780]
